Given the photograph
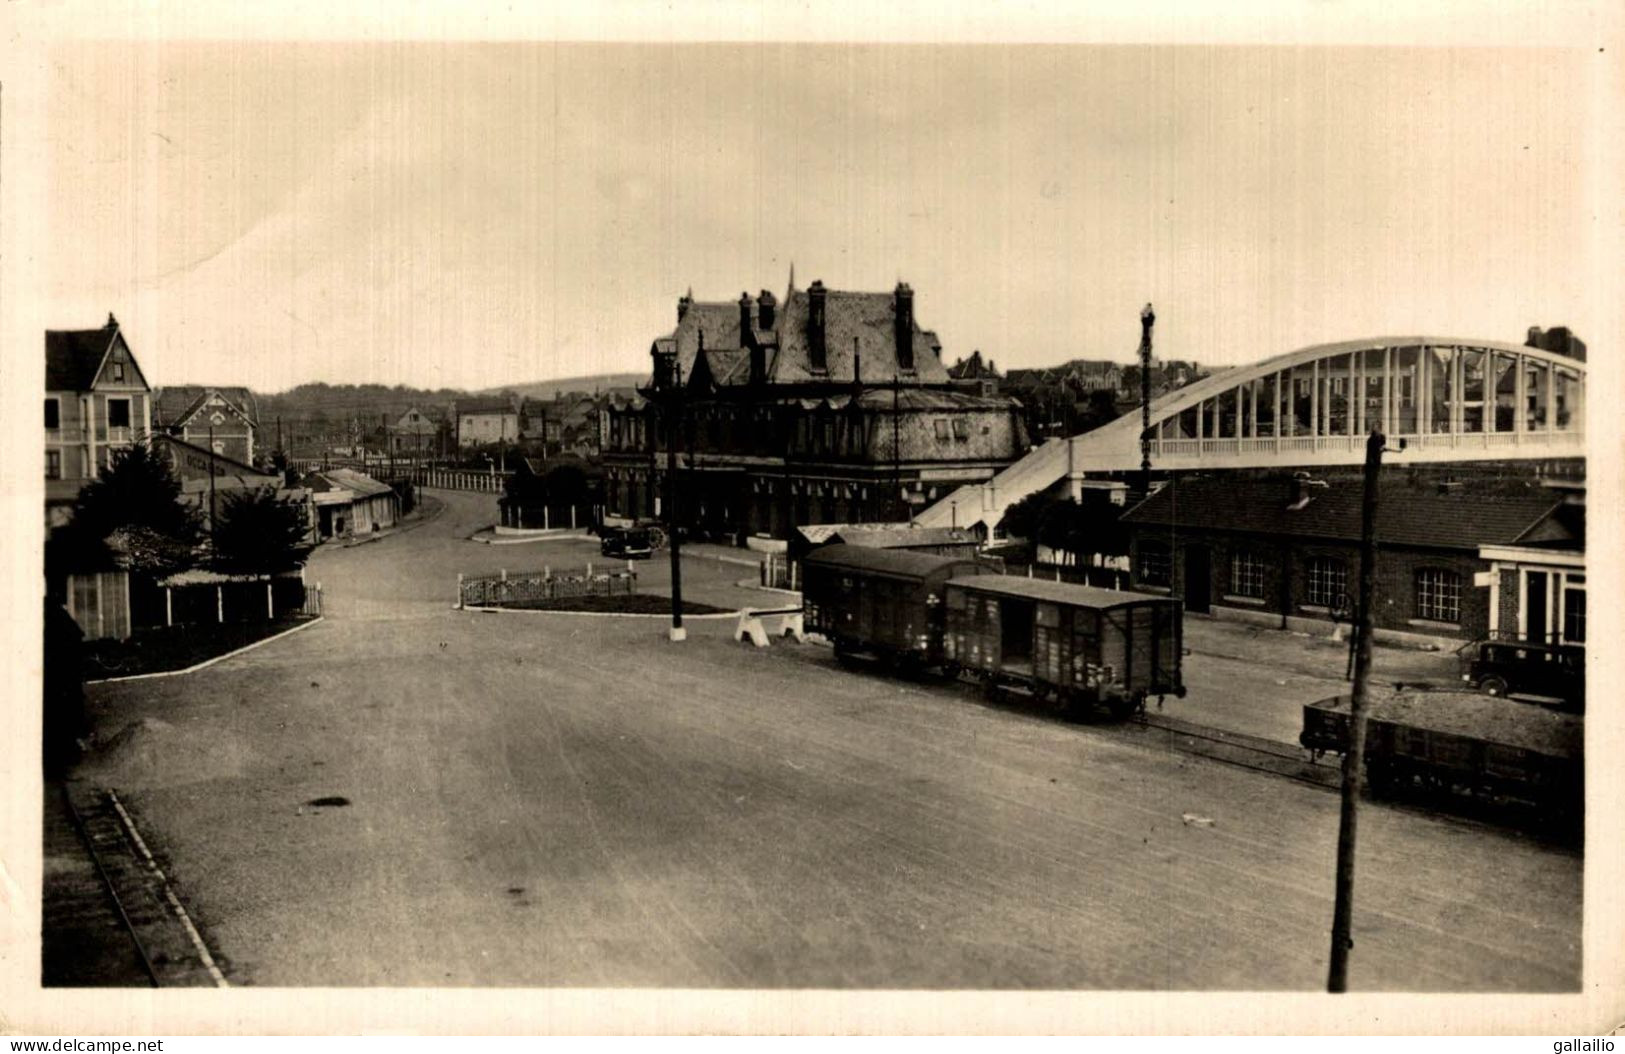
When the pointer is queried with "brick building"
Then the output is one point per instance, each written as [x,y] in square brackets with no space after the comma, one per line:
[223,419]
[1289,547]
[832,407]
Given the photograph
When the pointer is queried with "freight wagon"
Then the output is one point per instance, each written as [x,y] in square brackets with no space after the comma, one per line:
[1462,744]
[885,603]
[1069,646]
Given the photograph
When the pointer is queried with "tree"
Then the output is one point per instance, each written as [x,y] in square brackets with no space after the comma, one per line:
[257,534]
[133,510]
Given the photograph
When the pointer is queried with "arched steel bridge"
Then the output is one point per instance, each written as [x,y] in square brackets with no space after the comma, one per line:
[1451,400]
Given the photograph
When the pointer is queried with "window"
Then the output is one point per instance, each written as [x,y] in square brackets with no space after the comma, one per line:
[53,414]
[941,425]
[1574,615]
[1438,595]
[1328,582]
[961,429]
[1246,575]
[118,371]
[53,464]
[118,413]
[1155,566]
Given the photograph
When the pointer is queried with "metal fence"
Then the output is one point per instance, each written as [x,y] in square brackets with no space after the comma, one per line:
[534,587]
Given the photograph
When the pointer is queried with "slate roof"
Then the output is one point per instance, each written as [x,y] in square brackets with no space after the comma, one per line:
[345,479]
[73,356]
[1407,514]
[868,317]
[486,405]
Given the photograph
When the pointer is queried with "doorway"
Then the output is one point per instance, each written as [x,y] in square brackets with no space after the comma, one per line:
[1016,634]
[1198,579]
[1537,591]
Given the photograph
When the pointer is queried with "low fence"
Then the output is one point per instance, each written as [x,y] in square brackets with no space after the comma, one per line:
[461,479]
[533,587]
[230,600]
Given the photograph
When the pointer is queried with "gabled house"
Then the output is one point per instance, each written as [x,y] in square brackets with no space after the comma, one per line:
[225,420]
[97,401]
[417,431]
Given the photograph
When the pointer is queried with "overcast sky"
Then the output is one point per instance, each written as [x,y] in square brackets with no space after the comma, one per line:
[469,216]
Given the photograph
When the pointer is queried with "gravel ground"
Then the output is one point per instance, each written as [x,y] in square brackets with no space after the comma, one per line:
[547,799]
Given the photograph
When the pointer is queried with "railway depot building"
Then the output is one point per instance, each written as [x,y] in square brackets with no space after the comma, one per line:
[832,407]
[1278,547]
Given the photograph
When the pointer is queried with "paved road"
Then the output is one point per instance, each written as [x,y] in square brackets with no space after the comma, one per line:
[541,799]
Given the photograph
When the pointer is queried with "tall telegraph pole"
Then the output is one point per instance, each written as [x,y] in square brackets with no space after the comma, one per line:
[1343,911]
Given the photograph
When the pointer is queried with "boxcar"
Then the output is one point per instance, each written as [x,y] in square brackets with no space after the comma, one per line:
[883,602]
[1069,645]
[1463,744]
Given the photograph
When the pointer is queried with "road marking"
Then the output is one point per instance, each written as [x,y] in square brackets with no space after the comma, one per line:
[209,662]
[169,894]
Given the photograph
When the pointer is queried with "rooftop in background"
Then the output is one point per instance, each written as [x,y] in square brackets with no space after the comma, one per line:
[1415,514]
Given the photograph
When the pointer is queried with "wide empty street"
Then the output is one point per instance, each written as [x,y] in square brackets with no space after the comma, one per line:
[558,800]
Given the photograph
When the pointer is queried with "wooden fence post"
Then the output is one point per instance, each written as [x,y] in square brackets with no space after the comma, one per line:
[169,607]
[219,604]
[270,607]
[459,590]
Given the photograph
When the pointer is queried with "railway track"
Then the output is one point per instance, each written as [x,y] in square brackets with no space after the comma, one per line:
[124,890]
[1234,748]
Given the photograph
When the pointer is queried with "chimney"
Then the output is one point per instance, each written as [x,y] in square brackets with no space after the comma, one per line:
[111,321]
[766,307]
[815,326]
[903,322]
[746,321]
[857,365]
[1534,337]
[684,302]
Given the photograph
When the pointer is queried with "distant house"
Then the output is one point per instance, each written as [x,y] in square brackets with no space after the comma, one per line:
[225,420]
[96,402]
[1537,584]
[349,503]
[480,420]
[417,431]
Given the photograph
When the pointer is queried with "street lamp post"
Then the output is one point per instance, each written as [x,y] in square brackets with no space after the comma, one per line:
[1147,320]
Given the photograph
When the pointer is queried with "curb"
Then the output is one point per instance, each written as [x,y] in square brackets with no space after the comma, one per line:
[208,662]
[597,614]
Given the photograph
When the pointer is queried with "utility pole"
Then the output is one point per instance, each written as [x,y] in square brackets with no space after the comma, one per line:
[1147,320]
[211,488]
[672,409]
[896,439]
[1343,911]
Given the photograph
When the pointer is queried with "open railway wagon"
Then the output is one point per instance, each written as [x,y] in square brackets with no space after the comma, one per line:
[1069,646]
[1503,754]
[887,603]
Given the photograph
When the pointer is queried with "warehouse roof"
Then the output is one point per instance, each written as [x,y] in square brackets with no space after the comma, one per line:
[902,562]
[1407,514]
[1057,592]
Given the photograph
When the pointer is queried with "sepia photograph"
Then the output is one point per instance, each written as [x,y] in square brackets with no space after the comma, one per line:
[784,511]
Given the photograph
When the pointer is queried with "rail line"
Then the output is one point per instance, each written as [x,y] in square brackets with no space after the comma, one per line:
[110,889]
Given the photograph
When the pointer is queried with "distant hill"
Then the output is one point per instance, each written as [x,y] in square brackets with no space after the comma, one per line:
[588,384]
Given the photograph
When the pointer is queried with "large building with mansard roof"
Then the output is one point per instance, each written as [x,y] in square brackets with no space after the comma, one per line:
[829,406]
